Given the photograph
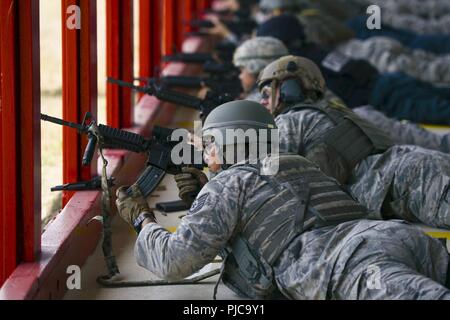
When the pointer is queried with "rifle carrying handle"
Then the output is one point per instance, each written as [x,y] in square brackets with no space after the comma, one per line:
[90,149]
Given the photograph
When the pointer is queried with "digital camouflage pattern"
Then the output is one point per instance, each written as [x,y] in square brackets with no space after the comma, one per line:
[411,22]
[405,132]
[325,263]
[415,180]
[255,54]
[429,9]
[323,29]
[389,55]
[407,182]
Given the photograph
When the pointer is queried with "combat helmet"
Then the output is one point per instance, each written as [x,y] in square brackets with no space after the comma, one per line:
[291,67]
[255,54]
[238,116]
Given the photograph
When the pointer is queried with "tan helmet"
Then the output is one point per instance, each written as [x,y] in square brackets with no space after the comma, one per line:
[292,67]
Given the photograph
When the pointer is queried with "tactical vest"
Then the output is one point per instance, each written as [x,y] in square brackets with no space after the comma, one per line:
[298,198]
[341,148]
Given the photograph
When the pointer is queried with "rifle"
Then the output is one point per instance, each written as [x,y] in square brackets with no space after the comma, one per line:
[238,27]
[94,184]
[189,57]
[158,148]
[205,106]
[240,14]
[231,86]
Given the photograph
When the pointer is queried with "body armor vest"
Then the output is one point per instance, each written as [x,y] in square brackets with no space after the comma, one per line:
[341,148]
[300,197]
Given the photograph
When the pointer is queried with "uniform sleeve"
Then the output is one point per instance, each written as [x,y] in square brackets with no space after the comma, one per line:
[290,134]
[299,130]
[201,235]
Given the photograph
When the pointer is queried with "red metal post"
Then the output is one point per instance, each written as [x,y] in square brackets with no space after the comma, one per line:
[8,124]
[20,149]
[150,35]
[168,26]
[79,84]
[30,134]
[119,61]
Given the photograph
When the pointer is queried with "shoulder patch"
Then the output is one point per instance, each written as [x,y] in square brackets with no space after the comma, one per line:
[199,203]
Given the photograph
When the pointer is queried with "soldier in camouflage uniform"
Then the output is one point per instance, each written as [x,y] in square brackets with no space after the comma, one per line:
[429,9]
[389,55]
[402,181]
[320,27]
[295,234]
[405,132]
[343,82]
[251,57]
[415,24]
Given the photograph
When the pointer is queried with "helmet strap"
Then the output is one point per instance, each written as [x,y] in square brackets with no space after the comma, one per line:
[274,102]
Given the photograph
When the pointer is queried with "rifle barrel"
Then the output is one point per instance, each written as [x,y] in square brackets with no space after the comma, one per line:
[61,122]
[146,90]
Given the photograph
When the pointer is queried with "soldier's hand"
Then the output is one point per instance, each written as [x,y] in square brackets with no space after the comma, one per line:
[189,183]
[130,207]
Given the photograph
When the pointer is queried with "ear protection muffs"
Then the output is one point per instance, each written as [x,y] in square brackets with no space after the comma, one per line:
[291,92]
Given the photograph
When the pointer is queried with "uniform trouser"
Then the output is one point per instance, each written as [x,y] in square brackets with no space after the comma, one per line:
[365,260]
[394,266]
[406,182]
[405,132]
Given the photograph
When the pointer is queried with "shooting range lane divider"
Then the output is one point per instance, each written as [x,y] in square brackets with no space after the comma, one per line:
[69,239]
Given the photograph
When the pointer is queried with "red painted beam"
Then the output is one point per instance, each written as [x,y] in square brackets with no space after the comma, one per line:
[30,134]
[119,61]
[9,106]
[20,202]
[88,72]
[150,35]
[79,49]
[70,99]
[168,27]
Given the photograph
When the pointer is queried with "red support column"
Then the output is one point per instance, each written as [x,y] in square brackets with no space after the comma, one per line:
[168,26]
[119,61]
[30,133]
[79,85]
[8,124]
[150,35]
[20,149]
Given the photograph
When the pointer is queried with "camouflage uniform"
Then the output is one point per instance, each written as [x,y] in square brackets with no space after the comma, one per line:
[333,262]
[389,55]
[405,132]
[414,180]
[415,24]
[407,182]
[323,29]
[430,9]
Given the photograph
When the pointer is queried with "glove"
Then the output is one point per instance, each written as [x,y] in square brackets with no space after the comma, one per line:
[189,183]
[130,207]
